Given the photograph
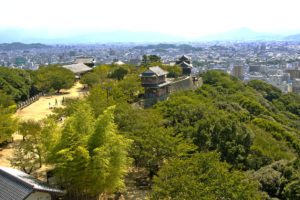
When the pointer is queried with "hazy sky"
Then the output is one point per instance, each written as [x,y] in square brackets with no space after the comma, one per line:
[186,18]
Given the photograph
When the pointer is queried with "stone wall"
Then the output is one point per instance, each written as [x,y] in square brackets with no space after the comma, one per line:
[187,83]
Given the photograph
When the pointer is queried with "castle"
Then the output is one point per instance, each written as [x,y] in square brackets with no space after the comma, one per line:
[158,87]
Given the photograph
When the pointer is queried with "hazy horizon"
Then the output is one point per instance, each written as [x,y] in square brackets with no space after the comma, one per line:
[180,20]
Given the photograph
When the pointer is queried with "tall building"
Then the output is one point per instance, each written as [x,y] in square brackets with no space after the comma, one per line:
[238,71]
[296,86]
[294,73]
[254,68]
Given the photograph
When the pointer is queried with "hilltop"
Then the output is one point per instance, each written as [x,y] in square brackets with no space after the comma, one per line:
[225,139]
[22,46]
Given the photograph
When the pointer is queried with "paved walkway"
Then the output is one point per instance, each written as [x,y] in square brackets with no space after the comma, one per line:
[37,111]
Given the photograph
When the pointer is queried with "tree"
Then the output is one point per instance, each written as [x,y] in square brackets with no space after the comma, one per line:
[174,71]
[100,98]
[202,176]
[148,60]
[268,91]
[48,138]
[15,82]
[280,179]
[90,79]
[152,142]
[154,59]
[70,156]
[26,157]
[29,128]
[7,124]
[144,61]
[6,100]
[39,139]
[224,133]
[108,151]
[54,77]
[292,190]
[127,89]
[90,158]
[102,72]
[119,73]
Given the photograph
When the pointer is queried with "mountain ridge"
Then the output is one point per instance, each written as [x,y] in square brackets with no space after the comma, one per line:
[122,36]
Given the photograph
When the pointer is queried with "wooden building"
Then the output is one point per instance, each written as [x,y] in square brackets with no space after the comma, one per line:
[158,87]
[184,58]
[89,61]
[78,69]
[155,82]
[17,185]
[185,63]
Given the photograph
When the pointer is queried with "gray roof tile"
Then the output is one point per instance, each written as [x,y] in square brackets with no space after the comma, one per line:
[155,71]
[16,185]
[78,68]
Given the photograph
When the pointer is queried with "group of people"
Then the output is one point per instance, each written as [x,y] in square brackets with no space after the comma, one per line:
[56,102]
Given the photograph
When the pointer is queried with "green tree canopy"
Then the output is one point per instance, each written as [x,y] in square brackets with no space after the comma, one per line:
[91,157]
[54,77]
[202,176]
[119,73]
[15,82]
[7,124]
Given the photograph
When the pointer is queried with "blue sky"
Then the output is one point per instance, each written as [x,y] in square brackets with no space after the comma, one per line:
[186,18]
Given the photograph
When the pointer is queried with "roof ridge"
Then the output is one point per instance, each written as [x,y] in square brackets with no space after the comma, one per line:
[28,180]
[17,178]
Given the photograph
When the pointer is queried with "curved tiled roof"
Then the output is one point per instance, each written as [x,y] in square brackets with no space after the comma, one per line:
[78,68]
[155,71]
[17,185]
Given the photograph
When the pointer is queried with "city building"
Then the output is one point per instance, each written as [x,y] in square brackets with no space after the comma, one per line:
[254,68]
[296,86]
[294,73]
[238,71]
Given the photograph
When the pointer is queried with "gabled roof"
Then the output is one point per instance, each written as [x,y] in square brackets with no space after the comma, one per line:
[78,68]
[154,71]
[186,65]
[17,185]
[119,63]
[88,60]
[184,57]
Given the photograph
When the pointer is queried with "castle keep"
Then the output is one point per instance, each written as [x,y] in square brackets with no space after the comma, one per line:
[158,87]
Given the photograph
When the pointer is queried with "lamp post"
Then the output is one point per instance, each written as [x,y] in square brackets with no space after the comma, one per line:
[107,88]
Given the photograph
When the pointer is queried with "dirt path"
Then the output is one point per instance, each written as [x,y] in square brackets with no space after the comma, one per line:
[37,111]
[41,108]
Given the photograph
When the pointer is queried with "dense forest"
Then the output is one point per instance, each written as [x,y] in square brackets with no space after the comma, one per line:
[225,140]
[17,85]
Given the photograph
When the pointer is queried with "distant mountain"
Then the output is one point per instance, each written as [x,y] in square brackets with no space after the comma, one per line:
[43,36]
[21,46]
[89,37]
[164,46]
[293,37]
[243,34]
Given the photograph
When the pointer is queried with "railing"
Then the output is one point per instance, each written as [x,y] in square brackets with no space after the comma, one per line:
[29,101]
